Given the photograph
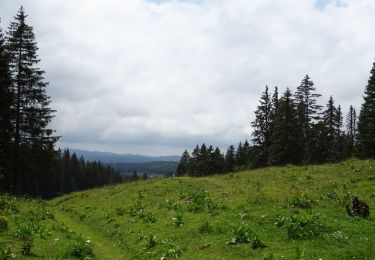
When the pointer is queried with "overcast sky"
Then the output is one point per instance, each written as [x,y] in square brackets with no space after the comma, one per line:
[156,77]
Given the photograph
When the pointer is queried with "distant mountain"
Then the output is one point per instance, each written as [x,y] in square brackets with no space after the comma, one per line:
[113,158]
[151,168]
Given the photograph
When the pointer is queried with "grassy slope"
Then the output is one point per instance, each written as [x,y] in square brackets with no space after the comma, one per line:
[111,219]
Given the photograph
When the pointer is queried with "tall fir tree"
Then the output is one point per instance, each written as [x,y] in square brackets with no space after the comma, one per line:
[262,126]
[351,130]
[330,121]
[6,99]
[230,159]
[308,111]
[366,120]
[33,139]
[285,147]
[183,166]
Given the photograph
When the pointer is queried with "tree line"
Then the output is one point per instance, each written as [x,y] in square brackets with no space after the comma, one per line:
[293,129]
[28,161]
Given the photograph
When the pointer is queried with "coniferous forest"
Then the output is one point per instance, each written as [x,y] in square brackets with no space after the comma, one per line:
[293,129]
[29,163]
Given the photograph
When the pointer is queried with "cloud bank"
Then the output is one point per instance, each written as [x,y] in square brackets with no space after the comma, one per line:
[156,77]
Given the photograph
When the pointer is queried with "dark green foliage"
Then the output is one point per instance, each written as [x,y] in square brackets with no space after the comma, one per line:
[78,248]
[243,235]
[151,241]
[351,131]
[306,101]
[366,120]
[285,146]
[230,159]
[183,166]
[304,226]
[178,219]
[203,161]
[262,126]
[31,115]
[6,129]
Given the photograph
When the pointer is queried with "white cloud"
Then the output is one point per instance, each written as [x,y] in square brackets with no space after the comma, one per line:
[137,76]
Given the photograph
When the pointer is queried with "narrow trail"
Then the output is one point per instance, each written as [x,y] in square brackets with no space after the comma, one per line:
[103,249]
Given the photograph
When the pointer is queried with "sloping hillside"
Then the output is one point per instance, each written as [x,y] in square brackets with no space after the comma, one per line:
[276,213]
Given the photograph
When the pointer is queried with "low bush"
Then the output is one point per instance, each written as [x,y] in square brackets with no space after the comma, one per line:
[300,200]
[178,219]
[151,241]
[79,248]
[243,235]
[3,222]
[304,226]
[171,250]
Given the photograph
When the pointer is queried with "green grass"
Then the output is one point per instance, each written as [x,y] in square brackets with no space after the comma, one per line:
[285,213]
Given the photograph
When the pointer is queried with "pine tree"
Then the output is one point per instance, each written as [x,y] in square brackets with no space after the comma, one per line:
[285,146]
[240,155]
[183,166]
[263,127]
[5,118]
[330,121]
[32,137]
[218,161]
[366,121]
[306,102]
[246,148]
[230,159]
[351,130]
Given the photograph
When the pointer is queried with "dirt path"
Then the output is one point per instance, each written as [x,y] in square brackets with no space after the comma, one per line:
[103,249]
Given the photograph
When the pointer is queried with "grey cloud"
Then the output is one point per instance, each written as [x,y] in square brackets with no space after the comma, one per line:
[135,76]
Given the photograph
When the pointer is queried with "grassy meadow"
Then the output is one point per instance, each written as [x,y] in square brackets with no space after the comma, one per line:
[291,212]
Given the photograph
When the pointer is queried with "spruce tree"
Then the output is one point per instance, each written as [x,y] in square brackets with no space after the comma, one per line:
[183,166]
[6,99]
[285,146]
[32,137]
[218,161]
[262,126]
[330,121]
[306,101]
[366,120]
[351,130]
[230,159]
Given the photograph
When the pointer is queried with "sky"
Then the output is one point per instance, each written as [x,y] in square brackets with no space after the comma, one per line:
[156,77]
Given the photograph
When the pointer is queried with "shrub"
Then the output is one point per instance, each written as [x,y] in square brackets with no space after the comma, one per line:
[170,204]
[171,250]
[3,222]
[79,248]
[243,235]
[8,204]
[178,219]
[135,209]
[147,217]
[300,200]
[151,241]
[304,226]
